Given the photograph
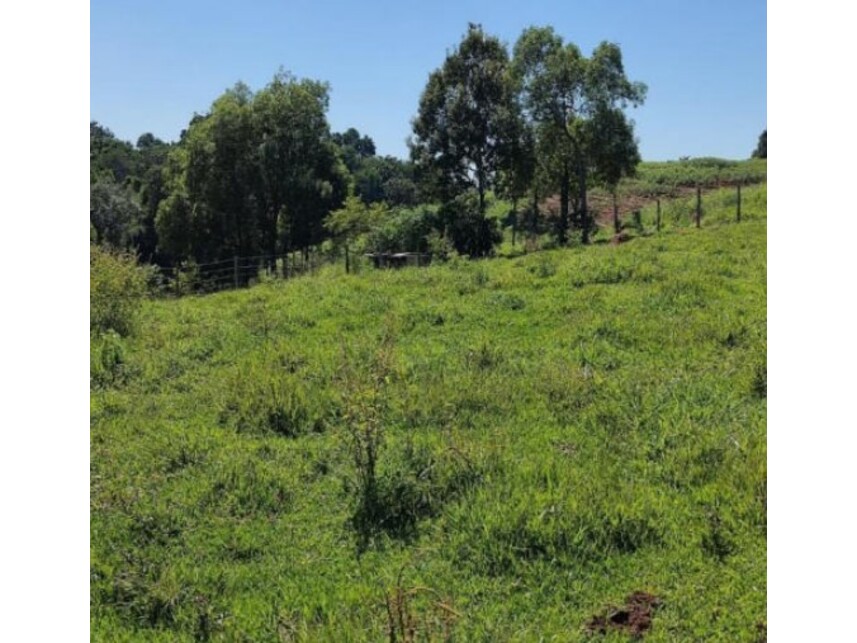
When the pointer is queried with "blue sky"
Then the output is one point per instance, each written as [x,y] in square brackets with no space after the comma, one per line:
[154,63]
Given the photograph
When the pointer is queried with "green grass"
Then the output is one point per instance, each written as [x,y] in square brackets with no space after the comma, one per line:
[559,429]
[661,177]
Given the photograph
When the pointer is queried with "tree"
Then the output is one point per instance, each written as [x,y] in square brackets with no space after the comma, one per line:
[465,124]
[567,95]
[518,167]
[301,179]
[761,151]
[113,213]
[354,219]
[149,185]
[255,175]
[610,144]
[108,156]
[466,226]
[385,178]
[354,148]
[464,113]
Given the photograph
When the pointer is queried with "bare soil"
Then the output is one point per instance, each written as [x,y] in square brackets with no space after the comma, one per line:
[634,618]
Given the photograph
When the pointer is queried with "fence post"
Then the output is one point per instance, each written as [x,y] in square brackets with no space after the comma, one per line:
[616,227]
[698,205]
[347,260]
[739,203]
[235,270]
[658,203]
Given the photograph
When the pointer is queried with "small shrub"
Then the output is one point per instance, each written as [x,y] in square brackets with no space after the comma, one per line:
[418,614]
[484,357]
[188,278]
[543,268]
[365,404]
[106,360]
[716,541]
[439,245]
[117,286]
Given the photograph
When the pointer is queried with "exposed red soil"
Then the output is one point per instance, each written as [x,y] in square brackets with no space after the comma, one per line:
[634,618]
[601,203]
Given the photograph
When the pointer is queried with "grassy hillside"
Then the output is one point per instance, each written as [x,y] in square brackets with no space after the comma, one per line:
[552,432]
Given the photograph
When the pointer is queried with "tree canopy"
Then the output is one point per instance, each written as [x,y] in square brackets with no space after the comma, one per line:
[761,151]
[260,172]
[256,175]
[466,111]
[567,96]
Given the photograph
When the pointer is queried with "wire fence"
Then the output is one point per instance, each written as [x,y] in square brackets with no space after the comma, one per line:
[238,272]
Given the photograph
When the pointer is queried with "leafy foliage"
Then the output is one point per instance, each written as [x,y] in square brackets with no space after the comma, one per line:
[761,151]
[574,106]
[114,213]
[256,175]
[466,119]
[117,286]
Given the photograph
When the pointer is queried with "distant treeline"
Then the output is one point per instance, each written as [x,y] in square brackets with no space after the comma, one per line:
[262,174]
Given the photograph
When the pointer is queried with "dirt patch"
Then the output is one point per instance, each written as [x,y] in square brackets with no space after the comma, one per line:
[634,618]
[762,631]
[600,203]
[566,448]
[622,237]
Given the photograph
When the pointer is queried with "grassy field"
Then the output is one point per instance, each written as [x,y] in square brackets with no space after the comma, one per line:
[551,432]
[707,172]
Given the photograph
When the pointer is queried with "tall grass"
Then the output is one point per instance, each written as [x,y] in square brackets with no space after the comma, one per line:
[548,433]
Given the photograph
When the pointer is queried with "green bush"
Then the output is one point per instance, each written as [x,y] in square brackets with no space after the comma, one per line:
[117,286]
[106,359]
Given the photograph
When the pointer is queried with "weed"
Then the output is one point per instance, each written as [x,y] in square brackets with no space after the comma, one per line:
[418,614]
[716,540]
[364,408]
[117,286]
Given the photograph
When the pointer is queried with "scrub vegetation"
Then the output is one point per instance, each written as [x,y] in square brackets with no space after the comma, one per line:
[501,449]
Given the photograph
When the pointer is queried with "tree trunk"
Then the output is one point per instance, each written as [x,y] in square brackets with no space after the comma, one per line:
[562,235]
[535,215]
[616,226]
[586,222]
[514,219]
[698,205]
[272,248]
[739,203]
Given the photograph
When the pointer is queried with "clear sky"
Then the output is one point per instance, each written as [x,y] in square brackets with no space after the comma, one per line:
[154,63]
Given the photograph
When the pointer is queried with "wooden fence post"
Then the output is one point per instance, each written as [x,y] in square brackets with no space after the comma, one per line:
[616,226]
[698,205]
[235,270]
[739,203]
[347,260]
[658,203]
